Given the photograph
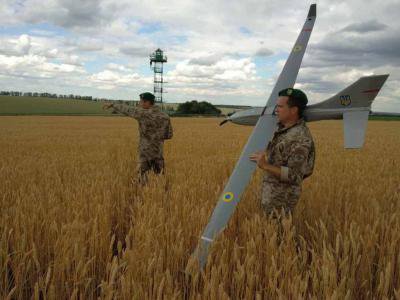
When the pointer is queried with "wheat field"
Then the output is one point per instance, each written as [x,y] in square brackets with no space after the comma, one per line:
[75,226]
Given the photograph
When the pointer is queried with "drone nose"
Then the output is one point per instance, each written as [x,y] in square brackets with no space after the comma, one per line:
[223,122]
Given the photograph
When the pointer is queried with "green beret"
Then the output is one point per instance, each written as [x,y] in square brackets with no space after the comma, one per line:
[147,96]
[295,93]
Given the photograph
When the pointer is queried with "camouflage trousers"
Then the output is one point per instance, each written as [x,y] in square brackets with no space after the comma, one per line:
[278,198]
[153,165]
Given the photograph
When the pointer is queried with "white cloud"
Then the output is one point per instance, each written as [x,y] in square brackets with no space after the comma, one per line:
[112,79]
[35,66]
[224,69]
[23,44]
[16,46]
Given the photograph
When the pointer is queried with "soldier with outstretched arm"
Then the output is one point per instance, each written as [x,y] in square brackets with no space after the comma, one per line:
[154,128]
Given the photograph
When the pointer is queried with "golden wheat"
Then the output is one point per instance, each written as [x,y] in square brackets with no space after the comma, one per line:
[74,226]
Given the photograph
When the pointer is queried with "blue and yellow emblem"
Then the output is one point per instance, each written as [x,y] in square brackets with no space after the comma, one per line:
[228,197]
[297,48]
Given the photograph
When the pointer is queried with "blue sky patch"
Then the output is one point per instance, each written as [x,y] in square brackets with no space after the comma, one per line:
[245,30]
[149,28]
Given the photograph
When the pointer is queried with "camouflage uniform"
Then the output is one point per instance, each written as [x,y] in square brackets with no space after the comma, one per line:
[292,149]
[154,128]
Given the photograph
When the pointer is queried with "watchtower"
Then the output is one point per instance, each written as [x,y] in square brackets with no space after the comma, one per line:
[157,60]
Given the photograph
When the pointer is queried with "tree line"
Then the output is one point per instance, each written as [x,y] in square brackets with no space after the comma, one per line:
[49,95]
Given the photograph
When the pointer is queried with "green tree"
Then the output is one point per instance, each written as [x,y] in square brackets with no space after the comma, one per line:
[201,108]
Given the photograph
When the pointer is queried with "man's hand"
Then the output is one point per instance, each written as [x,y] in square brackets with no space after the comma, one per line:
[259,158]
[107,106]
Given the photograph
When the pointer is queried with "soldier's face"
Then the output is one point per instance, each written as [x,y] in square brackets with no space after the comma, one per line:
[145,104]
[283,111]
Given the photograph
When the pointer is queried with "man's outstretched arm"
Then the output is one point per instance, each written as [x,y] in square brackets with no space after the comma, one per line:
[122,109]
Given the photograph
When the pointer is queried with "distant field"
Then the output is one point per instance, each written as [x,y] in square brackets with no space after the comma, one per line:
[380,118]
[47,106]
[10,105]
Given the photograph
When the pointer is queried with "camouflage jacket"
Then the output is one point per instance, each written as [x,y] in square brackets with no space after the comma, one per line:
[292,149]
[154,128]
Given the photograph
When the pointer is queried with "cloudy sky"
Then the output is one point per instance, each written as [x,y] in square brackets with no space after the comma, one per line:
[225,52]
